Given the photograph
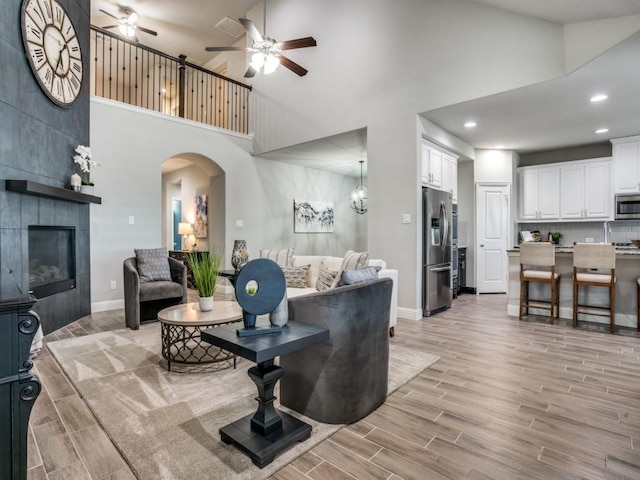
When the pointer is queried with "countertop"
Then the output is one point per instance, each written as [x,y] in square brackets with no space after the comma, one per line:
[569,249]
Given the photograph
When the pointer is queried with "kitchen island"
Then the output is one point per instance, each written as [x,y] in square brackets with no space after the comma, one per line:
[627,274]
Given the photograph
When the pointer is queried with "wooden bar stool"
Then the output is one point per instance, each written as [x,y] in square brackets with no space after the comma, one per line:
[638,313]
[594,256]
[541,256]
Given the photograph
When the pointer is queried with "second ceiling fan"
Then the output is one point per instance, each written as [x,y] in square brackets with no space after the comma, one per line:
[267,52]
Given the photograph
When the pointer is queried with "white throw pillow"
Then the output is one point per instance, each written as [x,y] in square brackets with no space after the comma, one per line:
[283,257]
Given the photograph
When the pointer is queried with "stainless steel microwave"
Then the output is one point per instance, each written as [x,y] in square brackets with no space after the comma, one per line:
[627,206]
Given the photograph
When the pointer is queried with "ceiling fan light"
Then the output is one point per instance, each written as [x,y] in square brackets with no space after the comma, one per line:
[133,18]
[271,64]
[127,30]
[257,60]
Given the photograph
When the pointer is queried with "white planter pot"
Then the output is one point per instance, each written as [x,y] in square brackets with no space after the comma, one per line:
[88,189]
[205,303]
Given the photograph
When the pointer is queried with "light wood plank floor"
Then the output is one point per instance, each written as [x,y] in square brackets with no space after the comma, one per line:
[507,400]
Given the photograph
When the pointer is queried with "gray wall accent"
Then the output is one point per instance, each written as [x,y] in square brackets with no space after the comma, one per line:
[37,142]
[595,150]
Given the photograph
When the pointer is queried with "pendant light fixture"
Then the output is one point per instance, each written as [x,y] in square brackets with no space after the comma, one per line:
[359,198]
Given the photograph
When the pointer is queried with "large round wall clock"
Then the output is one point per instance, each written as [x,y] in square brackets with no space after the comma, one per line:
[52,47]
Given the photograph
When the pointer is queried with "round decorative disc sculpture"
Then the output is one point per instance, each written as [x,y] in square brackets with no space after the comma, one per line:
[260,287]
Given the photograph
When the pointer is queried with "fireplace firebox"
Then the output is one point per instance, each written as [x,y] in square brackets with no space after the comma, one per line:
[52,260]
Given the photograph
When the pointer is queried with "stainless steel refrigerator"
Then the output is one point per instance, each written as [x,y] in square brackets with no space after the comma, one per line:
[436,255]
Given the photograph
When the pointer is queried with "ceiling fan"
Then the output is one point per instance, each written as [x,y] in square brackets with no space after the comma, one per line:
[128,23]
[267,52]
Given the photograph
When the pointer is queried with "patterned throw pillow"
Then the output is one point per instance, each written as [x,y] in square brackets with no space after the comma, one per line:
[351,261]
[325,278]
[153,264]
[283,257]
[296,276]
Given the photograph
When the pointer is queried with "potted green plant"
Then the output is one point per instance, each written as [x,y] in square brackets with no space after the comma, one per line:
[556,237]
[204,272]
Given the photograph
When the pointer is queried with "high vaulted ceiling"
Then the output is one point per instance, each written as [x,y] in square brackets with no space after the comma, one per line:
[550,115]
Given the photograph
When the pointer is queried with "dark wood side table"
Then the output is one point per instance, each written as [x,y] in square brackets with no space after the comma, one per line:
[230,275]
[183,256]
[268,431]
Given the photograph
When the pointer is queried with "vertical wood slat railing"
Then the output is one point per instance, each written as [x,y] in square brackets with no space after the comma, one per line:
[131,73]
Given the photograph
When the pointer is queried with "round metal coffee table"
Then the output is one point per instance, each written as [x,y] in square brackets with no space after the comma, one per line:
[180,332]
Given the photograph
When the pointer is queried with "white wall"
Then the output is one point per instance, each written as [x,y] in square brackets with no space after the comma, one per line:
[131,144]
[193,181]
[493,166]
[379,64]
[466,217]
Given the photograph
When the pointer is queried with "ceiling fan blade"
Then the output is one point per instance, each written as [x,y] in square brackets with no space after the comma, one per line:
[293,66]
[107,13]
[111,26]
[146,30]
[251,72]
[298,43]
[251,29]
[227,49]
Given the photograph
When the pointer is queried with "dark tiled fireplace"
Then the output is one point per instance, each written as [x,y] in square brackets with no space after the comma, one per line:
[52,260]
[45,243]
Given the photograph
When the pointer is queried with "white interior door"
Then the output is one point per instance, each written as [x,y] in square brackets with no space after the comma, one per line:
[492,228]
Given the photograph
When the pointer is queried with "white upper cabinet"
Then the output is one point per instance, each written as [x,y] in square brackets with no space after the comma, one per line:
[450,176]
[585,190]
[440,170]
[431,167]
[539,189]
[626,165]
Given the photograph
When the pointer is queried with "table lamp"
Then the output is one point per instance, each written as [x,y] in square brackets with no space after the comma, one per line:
[185,229]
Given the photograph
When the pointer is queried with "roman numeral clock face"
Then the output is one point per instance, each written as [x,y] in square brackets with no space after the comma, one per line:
[53,50]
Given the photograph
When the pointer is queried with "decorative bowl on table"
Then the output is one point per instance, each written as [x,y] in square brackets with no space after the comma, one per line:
[636,243]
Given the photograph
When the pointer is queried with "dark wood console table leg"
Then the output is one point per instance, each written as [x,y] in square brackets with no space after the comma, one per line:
[268,431]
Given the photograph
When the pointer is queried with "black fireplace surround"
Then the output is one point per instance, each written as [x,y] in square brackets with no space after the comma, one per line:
[52,254]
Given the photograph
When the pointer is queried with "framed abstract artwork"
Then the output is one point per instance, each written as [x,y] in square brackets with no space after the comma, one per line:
[310,216]
[200,225]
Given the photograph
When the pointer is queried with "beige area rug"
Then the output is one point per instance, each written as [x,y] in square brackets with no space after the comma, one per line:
[166,423]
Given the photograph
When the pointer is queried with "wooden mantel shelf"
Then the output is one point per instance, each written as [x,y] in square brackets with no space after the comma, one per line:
[32,188]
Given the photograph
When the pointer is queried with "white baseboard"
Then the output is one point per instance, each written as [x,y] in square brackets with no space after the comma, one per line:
[106,306]
[409,313]
[622,319]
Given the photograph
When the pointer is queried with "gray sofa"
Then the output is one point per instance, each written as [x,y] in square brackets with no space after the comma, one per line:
[143,300]
[345,378]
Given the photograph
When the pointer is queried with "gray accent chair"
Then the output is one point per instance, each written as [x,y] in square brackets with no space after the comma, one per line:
[143,300]
[345,378]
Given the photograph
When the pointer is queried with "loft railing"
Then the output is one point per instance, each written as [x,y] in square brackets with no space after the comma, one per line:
[144,77]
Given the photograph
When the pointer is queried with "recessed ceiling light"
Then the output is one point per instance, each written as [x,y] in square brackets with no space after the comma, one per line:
[602,130]
[470,124]
[600,97]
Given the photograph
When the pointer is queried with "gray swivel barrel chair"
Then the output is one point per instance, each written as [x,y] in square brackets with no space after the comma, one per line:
[345,378]
[143,300]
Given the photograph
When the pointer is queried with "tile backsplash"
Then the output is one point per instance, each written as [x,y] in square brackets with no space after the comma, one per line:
[621,231]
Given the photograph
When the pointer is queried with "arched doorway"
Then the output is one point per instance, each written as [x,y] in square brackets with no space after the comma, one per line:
[193,192]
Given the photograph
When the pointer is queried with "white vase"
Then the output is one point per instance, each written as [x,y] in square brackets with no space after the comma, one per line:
[205,303]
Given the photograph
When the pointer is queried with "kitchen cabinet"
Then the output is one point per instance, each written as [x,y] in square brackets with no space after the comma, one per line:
[431,167]
[440,170]
[539,197]
[450,176]
[585,190]
[626,165]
